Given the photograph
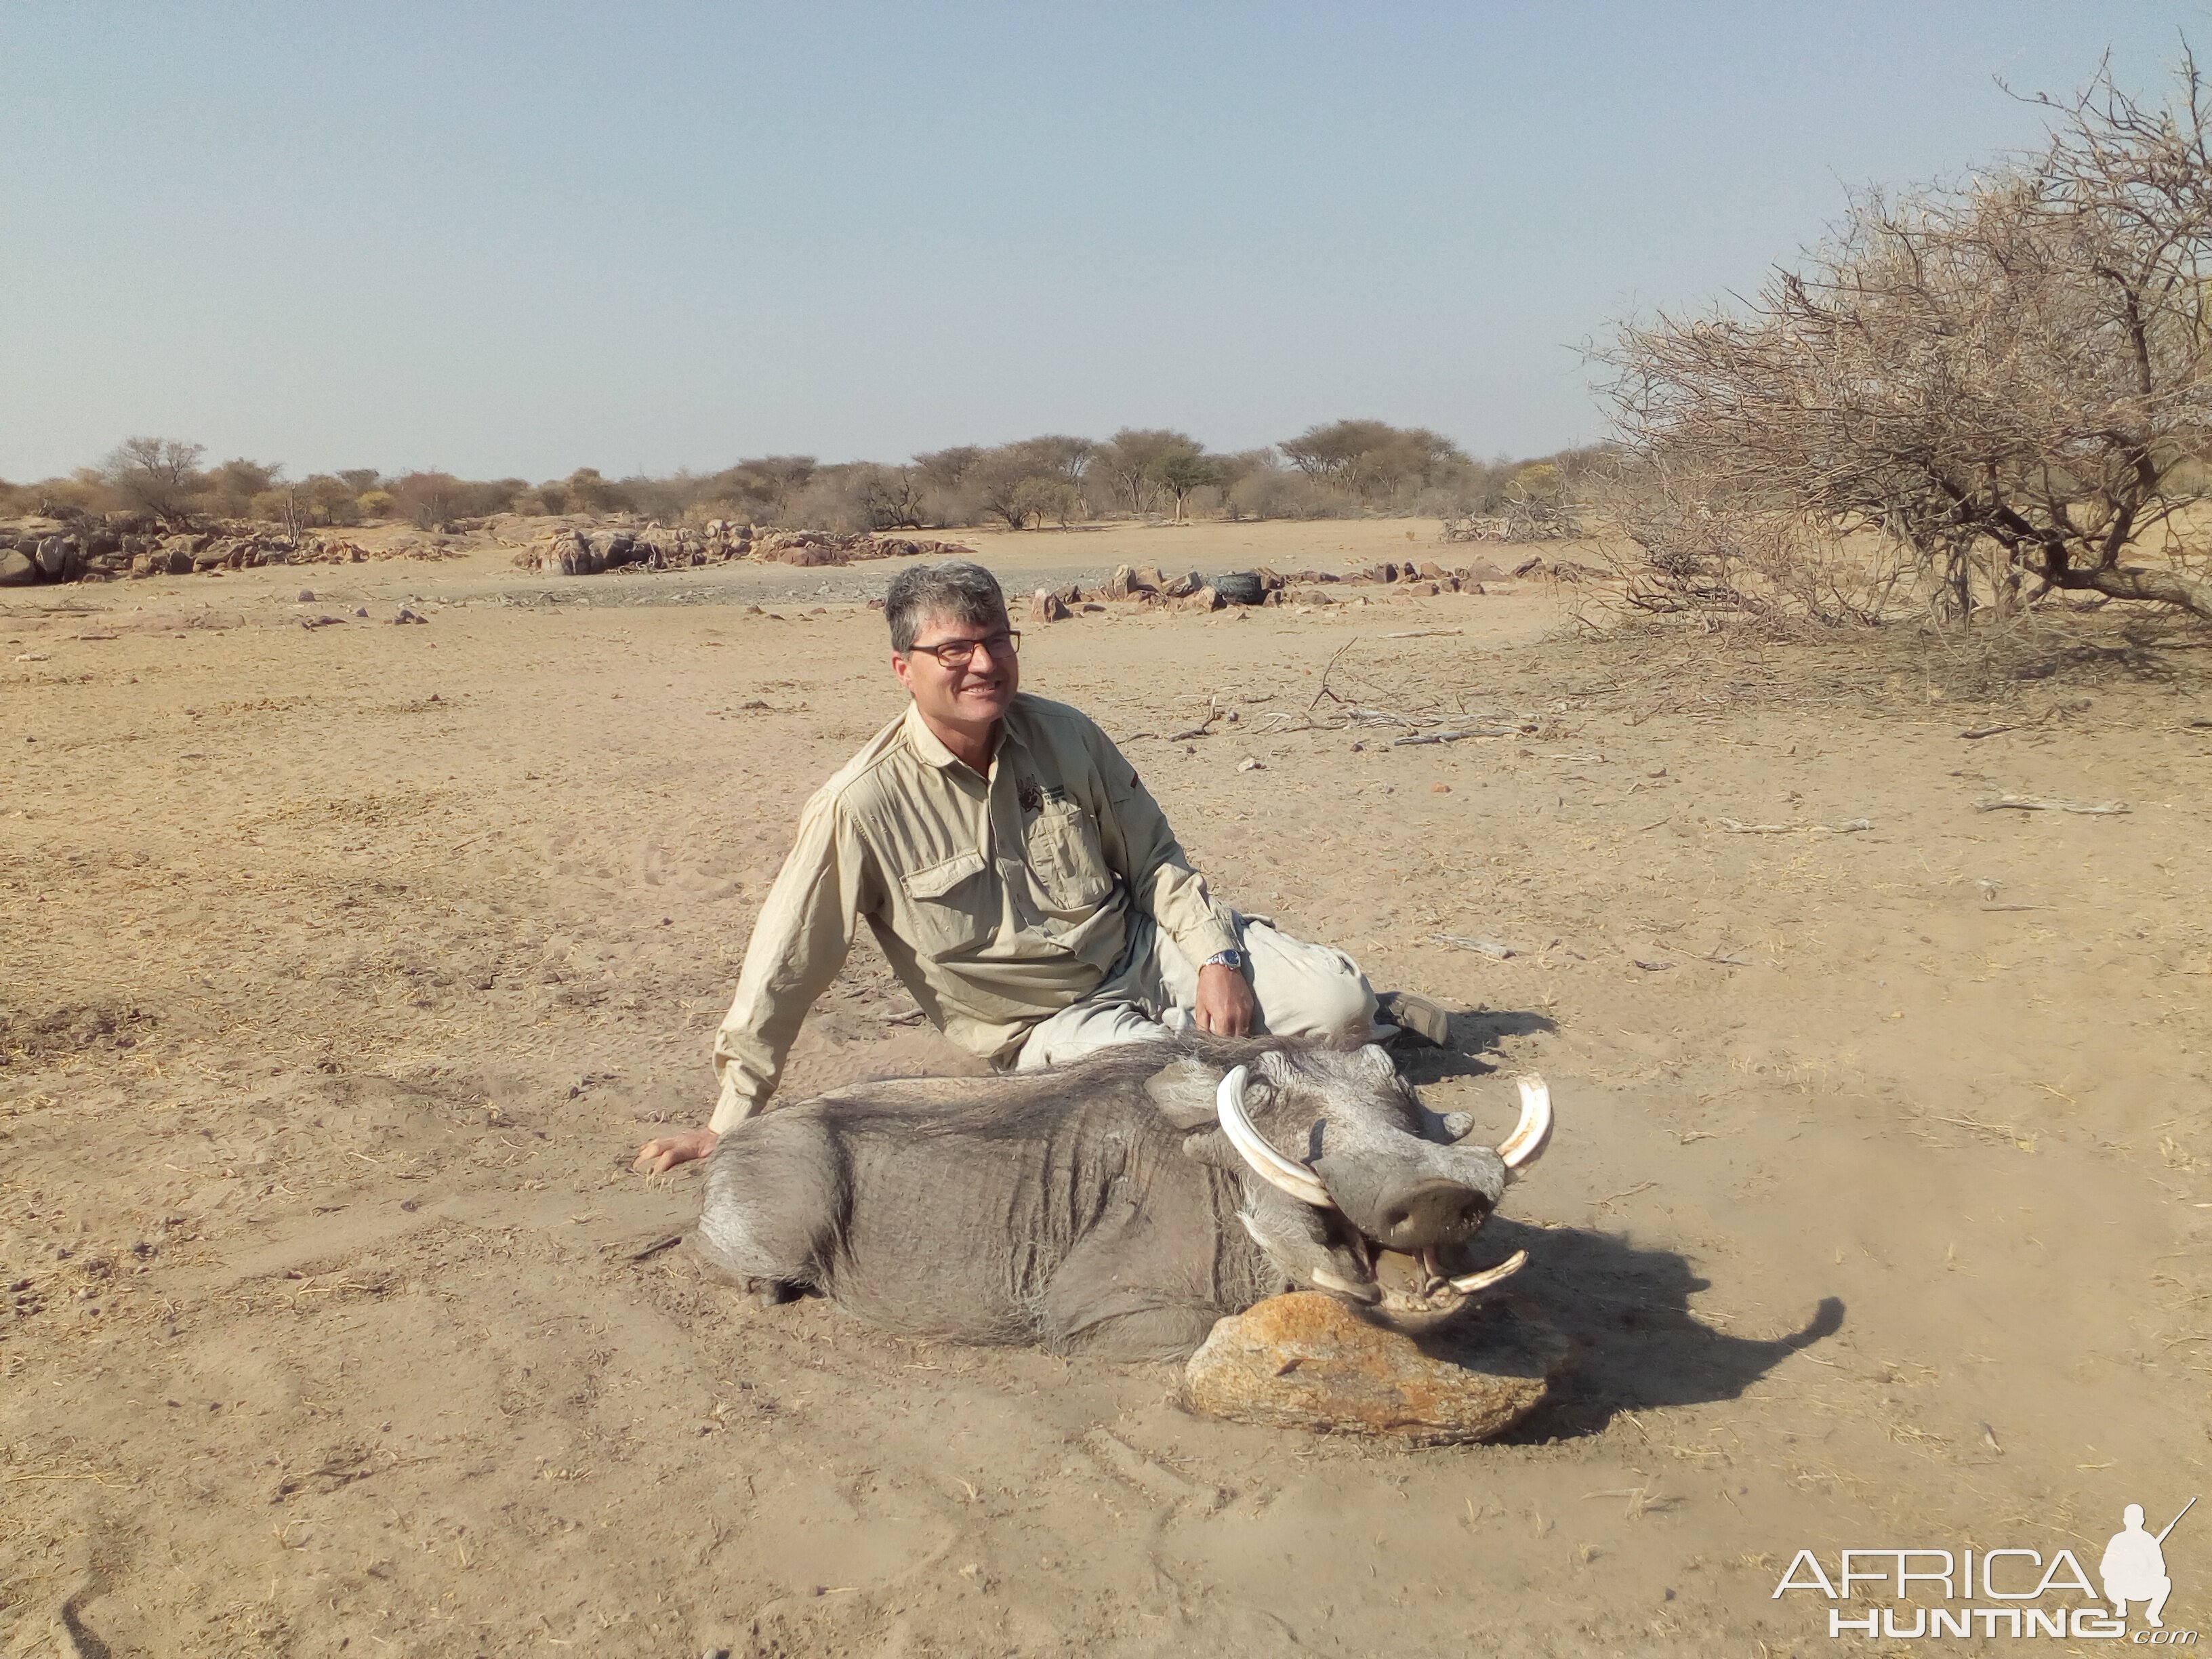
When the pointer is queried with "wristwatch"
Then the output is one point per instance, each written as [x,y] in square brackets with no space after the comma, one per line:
[1225,959]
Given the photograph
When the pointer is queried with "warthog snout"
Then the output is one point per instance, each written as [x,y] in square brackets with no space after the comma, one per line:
[1430,1215]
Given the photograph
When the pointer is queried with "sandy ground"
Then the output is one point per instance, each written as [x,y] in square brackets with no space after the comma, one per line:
[343,969]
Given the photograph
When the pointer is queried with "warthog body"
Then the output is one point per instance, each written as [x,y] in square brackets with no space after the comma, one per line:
[1117,1206]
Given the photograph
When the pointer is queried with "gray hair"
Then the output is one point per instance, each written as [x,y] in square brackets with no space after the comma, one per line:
[959,589]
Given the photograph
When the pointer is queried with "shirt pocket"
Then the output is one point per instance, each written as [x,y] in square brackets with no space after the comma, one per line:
[950,910]
[1067,861]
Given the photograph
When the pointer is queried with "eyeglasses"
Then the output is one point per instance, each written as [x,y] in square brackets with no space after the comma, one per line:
[958,653]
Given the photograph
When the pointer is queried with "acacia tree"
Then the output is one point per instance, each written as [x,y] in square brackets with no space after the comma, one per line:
[1024,482]
[1183,473]
[160,476]
[1370,459]
[890,497]
[2008,381]
[1129,456]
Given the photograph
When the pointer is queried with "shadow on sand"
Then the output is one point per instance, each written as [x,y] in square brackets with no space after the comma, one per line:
[1625,1312]
[1635,1346]
[1475,1035]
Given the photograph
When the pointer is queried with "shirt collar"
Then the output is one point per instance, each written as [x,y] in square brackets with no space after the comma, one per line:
[930,748]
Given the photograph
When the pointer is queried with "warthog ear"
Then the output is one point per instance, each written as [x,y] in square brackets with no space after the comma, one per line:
[1184,1092]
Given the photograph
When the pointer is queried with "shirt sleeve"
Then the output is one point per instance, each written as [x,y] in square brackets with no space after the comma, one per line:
[800,941]
[1143,850]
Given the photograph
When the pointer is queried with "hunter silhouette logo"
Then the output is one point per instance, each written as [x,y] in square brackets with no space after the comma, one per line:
[2133,1567]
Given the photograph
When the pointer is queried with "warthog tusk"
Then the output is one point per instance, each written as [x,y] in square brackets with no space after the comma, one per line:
[1531,1134]
[1469,1283]
[1329,1281]
[1271,1166]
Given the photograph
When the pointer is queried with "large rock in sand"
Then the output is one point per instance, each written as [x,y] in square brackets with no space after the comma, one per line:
[1308,1361]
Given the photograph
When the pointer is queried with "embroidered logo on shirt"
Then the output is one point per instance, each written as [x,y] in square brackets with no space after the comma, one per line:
[1034,796]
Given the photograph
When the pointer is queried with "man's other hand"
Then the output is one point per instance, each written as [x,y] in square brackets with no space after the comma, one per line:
[659,1156]
[1226,1004]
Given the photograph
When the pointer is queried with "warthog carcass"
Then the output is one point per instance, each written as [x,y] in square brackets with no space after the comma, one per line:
[1120,1205]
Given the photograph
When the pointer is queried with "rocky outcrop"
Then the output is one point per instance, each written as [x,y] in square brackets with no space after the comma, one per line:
[821,547]
[575,551]
[92,549]
[1308,1361]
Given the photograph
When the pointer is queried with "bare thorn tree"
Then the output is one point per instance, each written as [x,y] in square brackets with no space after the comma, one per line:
[160,476]
[2008,380]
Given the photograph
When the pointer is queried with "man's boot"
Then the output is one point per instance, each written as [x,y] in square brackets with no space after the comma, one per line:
[1415,1016]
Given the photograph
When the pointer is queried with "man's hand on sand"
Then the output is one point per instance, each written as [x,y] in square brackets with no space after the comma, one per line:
[1225,1003]
[659,1156]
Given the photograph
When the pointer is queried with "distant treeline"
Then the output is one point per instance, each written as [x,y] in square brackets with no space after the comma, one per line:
[1344,469]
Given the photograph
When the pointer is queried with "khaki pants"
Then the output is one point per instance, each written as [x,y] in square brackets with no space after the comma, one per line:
[1302,990]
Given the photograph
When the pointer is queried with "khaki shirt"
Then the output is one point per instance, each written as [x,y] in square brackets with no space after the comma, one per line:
[1000,900]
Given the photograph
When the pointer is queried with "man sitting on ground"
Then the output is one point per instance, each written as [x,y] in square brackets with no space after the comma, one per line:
[1022,880]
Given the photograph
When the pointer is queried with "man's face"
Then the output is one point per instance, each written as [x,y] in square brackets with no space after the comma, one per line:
[974,693]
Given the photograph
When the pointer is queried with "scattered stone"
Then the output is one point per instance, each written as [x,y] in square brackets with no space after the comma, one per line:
[1200,599]
[1251,763]
[360,610]
[1046,606]
[313,622]
[570,554]
[1308,1361]
[59,559]
[406,616]
[307,596]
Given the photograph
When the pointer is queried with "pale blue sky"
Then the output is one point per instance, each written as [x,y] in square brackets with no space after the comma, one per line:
[520,238]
